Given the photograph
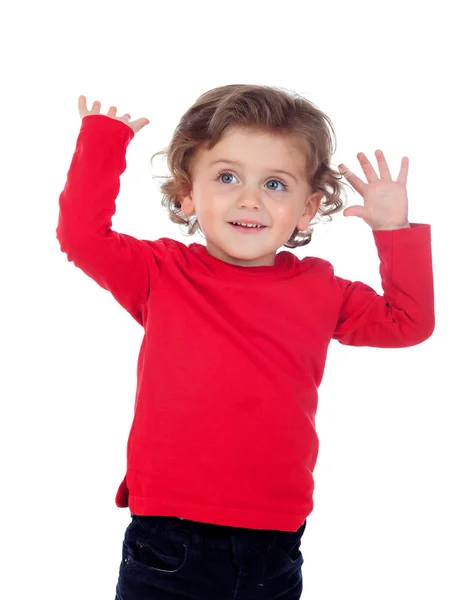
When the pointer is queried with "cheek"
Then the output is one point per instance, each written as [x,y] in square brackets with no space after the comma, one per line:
[283,213]
[211,209]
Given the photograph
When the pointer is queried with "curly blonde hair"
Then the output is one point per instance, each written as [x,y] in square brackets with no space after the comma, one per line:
[266,108]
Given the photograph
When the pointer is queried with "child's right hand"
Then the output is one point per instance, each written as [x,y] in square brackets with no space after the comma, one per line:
[84,112]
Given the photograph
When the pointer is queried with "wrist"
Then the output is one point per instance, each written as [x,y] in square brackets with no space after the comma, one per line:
[392,228]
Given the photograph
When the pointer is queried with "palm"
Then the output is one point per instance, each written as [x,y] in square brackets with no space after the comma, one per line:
[385,202]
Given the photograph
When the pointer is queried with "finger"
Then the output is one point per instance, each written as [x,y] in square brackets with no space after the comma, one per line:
[139,124]
[112,111]
[356,182]
[367,168]
[82,106]
[402,177]
[382,165]
[96,107]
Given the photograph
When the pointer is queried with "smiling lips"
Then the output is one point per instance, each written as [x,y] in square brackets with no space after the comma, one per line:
[247,228]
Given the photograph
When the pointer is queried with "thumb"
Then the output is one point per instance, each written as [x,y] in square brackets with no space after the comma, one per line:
[139,124]
[353,211]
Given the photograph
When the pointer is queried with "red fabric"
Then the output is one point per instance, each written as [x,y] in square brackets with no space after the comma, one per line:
[232,357]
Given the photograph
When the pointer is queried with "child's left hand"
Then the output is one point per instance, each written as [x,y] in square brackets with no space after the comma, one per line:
[385,201]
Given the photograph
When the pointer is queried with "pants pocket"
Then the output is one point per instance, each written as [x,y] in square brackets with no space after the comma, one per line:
[163,557]
[293,554]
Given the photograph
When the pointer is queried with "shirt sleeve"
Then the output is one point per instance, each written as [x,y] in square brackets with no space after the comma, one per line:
[118,262]
[404,315]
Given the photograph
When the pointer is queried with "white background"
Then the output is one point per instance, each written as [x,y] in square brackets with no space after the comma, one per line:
[392,499]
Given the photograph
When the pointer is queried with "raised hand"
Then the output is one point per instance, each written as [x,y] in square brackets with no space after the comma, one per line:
[95,110]
[385,200]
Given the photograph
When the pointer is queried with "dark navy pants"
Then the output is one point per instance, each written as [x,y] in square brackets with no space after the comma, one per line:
[167,558]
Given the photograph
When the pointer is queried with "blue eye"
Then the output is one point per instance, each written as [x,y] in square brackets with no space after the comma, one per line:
[232,175]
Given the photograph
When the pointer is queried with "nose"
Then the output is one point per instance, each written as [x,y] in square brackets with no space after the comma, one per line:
[250,197]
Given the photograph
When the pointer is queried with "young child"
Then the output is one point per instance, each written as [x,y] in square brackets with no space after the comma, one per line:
[223,444]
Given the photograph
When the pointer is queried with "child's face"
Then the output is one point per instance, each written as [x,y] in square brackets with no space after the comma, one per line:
[248,191]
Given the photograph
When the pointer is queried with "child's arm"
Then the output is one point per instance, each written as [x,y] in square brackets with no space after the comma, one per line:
[118,262]
[404,315]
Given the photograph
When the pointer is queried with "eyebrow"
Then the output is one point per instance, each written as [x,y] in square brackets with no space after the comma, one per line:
[234,162]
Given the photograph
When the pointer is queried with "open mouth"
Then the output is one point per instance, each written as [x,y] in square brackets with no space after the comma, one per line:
[248,229]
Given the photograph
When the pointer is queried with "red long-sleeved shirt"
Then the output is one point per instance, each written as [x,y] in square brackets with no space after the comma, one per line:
[231,359]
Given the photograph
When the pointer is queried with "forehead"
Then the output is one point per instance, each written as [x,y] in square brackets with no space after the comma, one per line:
[247,136]
[251,146]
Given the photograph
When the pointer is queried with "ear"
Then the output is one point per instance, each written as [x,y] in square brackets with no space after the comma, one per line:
[187,203]
[310,210]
